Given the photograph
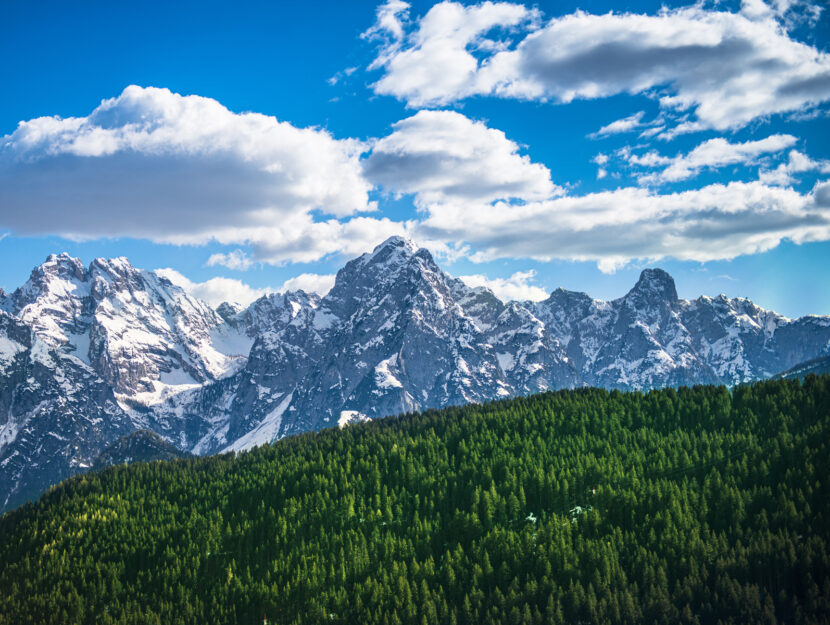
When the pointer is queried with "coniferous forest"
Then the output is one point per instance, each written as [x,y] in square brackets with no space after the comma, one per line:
[701,505]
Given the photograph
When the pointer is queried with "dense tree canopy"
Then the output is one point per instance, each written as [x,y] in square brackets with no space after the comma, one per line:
[699,505]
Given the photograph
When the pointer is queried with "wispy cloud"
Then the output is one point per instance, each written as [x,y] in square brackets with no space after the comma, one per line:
[237,259]
[601,160]
[626,124]
[712,154]
[797,163]
[390,18]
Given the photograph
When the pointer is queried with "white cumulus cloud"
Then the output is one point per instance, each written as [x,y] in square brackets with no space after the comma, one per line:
[726,68]
[444,155]
[183,169]
[434,64]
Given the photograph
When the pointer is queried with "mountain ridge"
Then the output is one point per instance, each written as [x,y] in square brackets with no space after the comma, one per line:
[395,334]
[138,446]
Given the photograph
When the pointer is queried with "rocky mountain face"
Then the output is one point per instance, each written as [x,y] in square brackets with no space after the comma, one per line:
[85,353]
[56,414]
[91,354]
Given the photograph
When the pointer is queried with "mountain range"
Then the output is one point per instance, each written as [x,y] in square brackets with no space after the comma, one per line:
[89,355]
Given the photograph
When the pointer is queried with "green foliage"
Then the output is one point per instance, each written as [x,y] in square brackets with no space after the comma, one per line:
[676,506]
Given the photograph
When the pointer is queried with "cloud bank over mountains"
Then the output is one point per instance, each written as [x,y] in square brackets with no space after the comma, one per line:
[517,287]
[611,228]
[217,290]
[183,169]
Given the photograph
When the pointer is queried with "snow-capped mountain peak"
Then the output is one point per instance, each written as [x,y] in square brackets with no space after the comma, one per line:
[98,352]
[393,248]
[395,260]
[654,285]
[132,327]
[55,302]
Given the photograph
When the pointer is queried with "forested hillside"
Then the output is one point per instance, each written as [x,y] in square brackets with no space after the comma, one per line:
[677,506]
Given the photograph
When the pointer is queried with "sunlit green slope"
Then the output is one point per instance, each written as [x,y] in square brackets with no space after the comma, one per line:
[688,506]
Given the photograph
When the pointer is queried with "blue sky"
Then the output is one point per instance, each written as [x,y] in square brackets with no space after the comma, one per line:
[260,145]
